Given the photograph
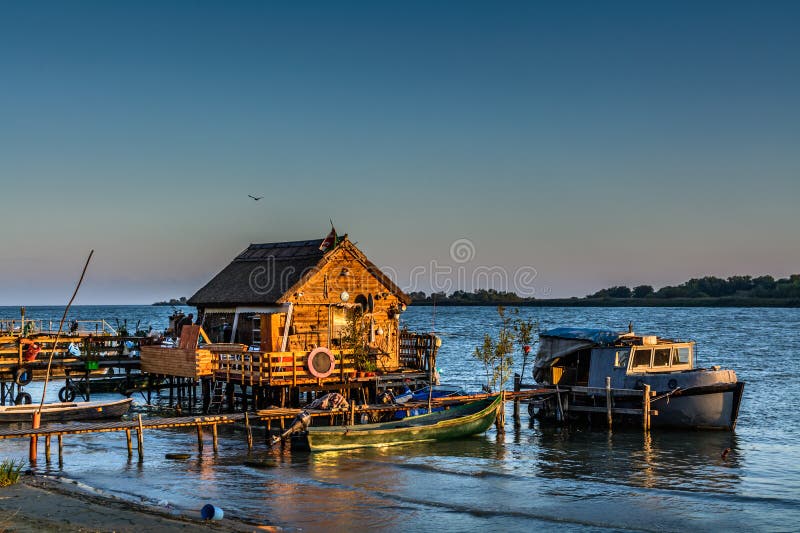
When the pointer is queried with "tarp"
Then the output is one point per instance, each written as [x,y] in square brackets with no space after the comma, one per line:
[596,336]
[561,342]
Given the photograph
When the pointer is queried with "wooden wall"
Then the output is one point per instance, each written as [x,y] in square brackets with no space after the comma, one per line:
[317,300]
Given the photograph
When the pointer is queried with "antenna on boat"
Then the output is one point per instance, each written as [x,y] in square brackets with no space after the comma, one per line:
[58,335]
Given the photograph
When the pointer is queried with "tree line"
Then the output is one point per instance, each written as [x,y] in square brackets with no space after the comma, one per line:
[712,287]
[761,288]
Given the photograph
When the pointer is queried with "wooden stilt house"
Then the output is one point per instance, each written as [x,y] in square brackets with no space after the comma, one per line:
[296,315]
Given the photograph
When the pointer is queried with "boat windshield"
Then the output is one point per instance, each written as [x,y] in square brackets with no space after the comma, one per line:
[662,358]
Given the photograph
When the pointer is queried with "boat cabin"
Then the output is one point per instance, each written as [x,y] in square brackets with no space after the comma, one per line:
[585,357]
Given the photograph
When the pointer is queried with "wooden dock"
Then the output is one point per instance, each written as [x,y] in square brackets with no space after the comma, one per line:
[266,417]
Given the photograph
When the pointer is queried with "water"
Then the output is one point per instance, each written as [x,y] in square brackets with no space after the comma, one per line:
[531,478]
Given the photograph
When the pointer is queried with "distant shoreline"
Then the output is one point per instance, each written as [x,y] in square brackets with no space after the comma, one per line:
[626,302]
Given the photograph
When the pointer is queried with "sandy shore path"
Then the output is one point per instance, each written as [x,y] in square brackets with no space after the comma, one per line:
[38,504]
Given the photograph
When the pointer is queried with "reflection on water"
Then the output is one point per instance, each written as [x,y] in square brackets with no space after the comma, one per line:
[532,477]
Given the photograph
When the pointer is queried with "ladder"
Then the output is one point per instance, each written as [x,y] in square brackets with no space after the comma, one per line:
[217,397]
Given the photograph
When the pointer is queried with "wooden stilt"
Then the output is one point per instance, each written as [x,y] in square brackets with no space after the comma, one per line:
[609,416]
[60,449]
[517,383]
[646,408]
[500,420]
[140,440]
[34,444]
[249,431]
[128,440]
[47,448]
[199,438]
[214,437]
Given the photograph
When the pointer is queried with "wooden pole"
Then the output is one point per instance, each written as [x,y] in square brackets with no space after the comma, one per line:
[249,432]
[500,419]
[517,380]
[47,447]
[60,448]
[140,440]
[646,408]
[608,401]
[199,438]
[37,418]
[214,437]
[128,440]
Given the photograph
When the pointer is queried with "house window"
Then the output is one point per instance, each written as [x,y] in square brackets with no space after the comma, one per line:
[339,323]
[621,359]
[641,358]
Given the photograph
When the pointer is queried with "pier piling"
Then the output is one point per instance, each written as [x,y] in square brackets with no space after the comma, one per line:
[608,401]
[140,440]
[199,438]
[517,383]
[249,431]
[128,439]
[214,437]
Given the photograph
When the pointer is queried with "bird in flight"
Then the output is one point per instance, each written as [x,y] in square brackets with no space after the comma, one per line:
[256,198]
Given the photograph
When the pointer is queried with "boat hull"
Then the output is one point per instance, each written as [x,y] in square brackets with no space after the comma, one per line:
[461,421]
[65,412]
[711,407]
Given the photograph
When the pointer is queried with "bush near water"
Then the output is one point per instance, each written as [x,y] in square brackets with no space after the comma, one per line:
[10,471]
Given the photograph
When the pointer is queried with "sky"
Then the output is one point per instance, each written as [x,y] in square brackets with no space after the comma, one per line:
[549,148]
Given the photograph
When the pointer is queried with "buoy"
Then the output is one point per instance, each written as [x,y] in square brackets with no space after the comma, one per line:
[210,512]
[321,362]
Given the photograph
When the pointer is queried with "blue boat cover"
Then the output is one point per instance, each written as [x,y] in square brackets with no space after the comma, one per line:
[597,336]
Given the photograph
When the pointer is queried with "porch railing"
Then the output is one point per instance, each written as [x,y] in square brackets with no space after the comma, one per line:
[236,363]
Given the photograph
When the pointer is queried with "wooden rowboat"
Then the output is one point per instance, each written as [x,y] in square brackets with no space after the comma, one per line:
[460,421]
[62,412]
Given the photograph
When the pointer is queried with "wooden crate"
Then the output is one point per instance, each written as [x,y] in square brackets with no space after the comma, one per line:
[181,362]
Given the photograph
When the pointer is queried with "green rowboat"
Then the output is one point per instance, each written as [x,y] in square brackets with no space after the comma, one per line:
[460,421]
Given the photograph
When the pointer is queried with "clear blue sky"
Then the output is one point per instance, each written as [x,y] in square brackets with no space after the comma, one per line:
[597,142]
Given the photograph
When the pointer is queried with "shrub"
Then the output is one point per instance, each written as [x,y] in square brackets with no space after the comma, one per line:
[9,472]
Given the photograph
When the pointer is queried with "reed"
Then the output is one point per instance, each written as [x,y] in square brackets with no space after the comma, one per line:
[10,471]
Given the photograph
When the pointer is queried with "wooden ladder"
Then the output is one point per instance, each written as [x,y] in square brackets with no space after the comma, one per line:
[217,397]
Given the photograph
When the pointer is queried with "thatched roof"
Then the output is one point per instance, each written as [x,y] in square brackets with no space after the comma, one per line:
[271,273]
[261,274]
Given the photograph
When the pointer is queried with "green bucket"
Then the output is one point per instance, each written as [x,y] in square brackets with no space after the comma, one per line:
[92,365]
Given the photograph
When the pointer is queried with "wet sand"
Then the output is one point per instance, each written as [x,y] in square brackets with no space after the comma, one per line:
[39,504]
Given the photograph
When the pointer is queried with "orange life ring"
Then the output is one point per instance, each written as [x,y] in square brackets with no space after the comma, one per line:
[321,362]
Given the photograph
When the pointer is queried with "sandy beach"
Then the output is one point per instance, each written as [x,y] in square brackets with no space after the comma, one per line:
[39,504]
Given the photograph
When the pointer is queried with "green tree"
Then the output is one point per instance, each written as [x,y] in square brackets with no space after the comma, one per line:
[496,355]
[642,291]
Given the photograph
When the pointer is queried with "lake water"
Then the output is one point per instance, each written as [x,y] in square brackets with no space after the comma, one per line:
[531,478]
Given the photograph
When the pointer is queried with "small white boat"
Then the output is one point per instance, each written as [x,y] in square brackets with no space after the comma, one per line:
[65,411]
